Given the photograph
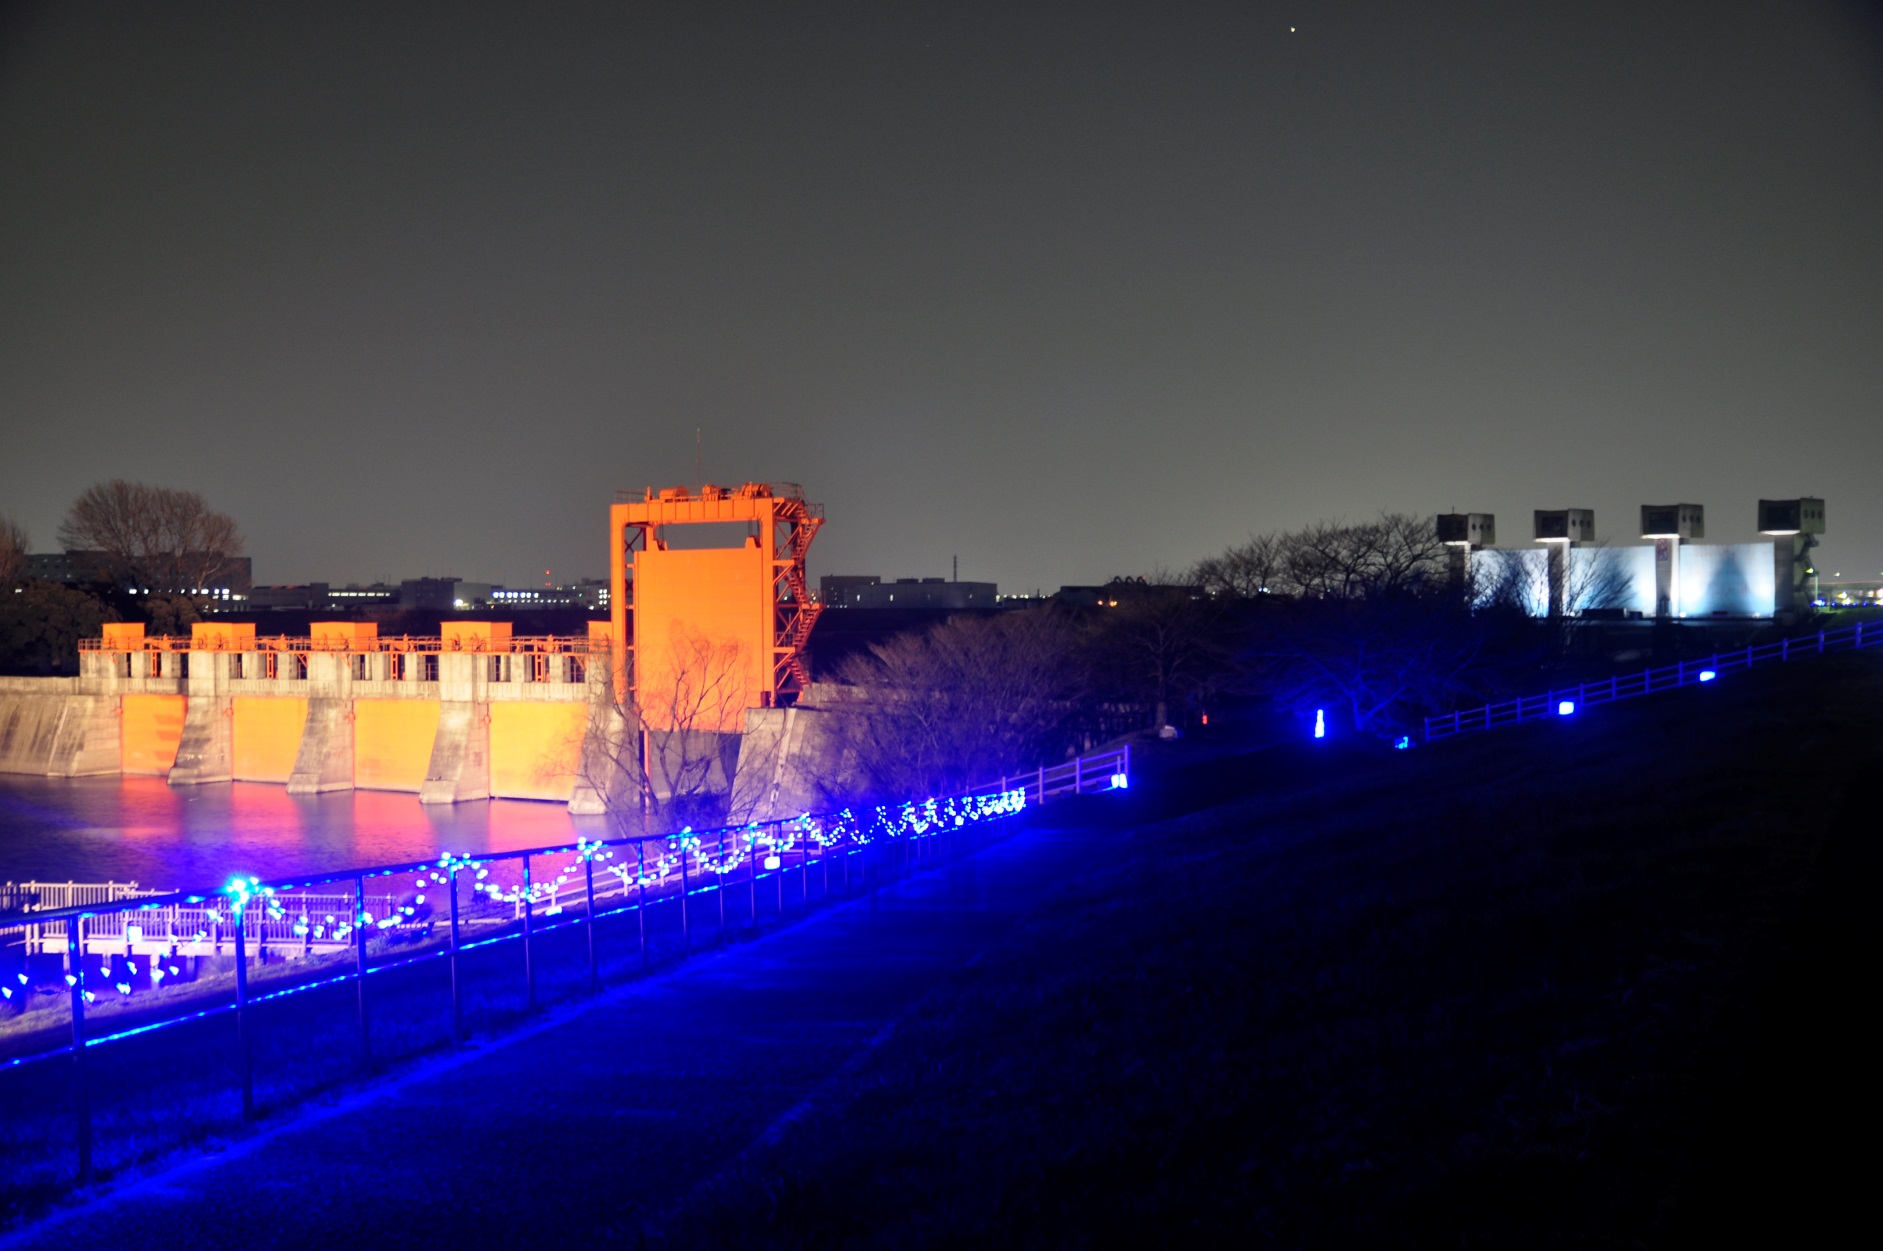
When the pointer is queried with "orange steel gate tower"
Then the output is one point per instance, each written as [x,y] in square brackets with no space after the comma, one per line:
[749,603]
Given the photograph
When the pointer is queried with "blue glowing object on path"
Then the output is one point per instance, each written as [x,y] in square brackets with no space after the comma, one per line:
[1707,675]
[1120,781]
[1565,708]
[1320,723]
[1405,741]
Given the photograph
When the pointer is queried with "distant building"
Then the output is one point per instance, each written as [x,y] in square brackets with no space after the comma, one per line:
[89,568]
[1115,592]
[313,597]
[590,594]
[353,595]
[870,591]
[445,594]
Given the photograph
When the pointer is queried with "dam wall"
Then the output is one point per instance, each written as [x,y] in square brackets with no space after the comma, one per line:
[473,714]
[50,728]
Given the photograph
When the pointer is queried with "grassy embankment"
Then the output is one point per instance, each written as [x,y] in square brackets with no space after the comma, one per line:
[1587,982]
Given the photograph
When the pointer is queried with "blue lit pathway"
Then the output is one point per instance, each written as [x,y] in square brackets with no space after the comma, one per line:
[584,1125]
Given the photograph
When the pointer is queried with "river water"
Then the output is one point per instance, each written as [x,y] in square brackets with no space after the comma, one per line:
[139,829]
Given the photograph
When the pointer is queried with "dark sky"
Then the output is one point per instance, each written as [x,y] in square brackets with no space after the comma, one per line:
[1069,291]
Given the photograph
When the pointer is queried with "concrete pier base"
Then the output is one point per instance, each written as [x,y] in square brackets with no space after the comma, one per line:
[608,783]
[325,759]
[86,742]
[48,727]
[460,763]
[207,752]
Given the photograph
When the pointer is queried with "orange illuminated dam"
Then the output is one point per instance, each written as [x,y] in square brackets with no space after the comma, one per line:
[471,714]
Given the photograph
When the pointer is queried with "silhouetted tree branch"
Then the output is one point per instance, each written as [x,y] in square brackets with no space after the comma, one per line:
[935,711]
[1393,554]
[14,542]
[159,538]
[661,757]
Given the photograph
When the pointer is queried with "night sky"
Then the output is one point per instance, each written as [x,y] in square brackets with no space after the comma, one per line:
[1067,291]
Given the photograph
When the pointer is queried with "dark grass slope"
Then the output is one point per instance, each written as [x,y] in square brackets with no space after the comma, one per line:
[1592,982]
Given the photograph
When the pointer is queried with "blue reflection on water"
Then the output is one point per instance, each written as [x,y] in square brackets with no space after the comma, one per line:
[139,829]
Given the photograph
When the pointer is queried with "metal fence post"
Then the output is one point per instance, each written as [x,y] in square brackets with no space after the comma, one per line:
[457,987]
[81,1094]
[244,1056]
[359,970]
[751,875]
[686,933]
[720,889]
[529,939]
[594,968]
[640,885]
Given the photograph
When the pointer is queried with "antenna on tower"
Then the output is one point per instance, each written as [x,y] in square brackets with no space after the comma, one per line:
[699,474]
[957,573]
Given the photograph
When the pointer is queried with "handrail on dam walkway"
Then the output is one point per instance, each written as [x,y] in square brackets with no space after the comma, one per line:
[250,942]
[545,644]
[1663,678]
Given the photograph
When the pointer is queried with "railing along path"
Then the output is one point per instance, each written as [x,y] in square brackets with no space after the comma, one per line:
[284,937]
[1663,678]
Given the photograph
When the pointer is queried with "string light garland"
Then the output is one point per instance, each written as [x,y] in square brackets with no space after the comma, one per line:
[760,849]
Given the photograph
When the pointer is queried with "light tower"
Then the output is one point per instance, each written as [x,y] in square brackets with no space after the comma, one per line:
[1562,529]
[1794,525]
[1669,525]
[1463,534]
[743,611]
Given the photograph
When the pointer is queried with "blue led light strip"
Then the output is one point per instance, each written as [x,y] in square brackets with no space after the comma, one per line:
[845,832]
[1647,682]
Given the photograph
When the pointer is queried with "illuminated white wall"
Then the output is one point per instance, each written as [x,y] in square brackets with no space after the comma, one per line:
[1611,577]
[1518,575]
[1733,578]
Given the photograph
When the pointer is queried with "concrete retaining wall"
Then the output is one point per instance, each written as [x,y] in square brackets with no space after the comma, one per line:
[49,729]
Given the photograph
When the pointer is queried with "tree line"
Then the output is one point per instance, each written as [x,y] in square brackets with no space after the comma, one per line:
[1362,622]
[166,543]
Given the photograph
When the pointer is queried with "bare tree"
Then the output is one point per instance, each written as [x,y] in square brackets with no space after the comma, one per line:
[1245,571]
[159,538]
[1518,581]
[13,544]
[1162,643]
[660,755]
[1378,663]
[41,624]
[1393,554]
[936,711]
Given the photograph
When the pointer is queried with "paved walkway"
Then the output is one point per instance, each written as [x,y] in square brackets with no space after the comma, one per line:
[583,1125]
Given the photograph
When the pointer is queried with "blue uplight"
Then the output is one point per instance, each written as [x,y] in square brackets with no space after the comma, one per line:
[1566,708]
[1120,781]
[1320,723]
[1405,741]
[1707,675]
